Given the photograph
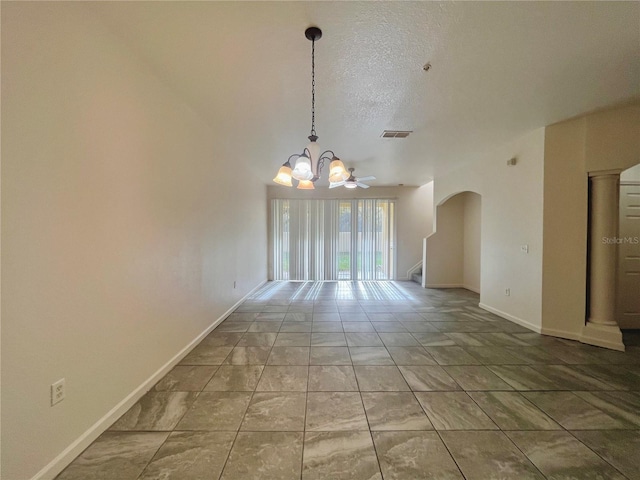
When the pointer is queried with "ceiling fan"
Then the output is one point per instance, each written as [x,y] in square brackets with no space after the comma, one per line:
[352,182]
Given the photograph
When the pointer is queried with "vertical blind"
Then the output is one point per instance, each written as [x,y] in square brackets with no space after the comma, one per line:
[333,239]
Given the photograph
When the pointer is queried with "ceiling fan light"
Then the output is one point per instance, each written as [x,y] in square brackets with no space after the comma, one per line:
[302,170]
[349,185]
[284,176]
[306,185]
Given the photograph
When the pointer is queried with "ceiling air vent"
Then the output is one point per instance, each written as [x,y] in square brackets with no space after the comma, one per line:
[396,133]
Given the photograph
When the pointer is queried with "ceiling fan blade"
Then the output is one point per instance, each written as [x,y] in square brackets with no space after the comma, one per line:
[336,184]
[366,179]
[362,185]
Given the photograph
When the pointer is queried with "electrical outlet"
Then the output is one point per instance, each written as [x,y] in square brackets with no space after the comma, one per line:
[234,284]
[57,392]
[507,292]
[524,248]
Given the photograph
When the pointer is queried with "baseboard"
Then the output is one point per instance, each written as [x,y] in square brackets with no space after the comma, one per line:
[453,285]
[53,468]
[605,336]
[472,289]
[507,316]
[583,337]
[552,332]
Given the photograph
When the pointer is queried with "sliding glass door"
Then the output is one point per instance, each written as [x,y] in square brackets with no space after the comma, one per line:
[333,239]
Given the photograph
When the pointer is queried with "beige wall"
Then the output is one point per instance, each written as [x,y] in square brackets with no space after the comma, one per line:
[612,138]
[472,239]
[566,195]
[453,251]
[412,205]
[119,243]
[511,216]
[445,247]
[601,141]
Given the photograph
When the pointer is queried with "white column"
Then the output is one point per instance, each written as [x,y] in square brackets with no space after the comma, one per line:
[602,328]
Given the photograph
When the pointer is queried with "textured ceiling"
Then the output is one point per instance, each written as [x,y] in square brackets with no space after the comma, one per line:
[499,70]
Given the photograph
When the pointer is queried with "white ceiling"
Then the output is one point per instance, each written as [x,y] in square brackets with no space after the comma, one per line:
[500,69]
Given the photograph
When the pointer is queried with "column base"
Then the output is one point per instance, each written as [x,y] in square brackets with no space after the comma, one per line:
[607,336]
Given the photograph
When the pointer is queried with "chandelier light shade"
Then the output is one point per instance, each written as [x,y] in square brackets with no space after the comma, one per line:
[303,168]
[284,175]
[337,172]
[306,185]
[308,164]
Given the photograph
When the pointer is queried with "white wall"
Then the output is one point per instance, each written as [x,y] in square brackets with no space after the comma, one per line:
[628,286]
[119,243]
[631,174]
[511,217]
[414,218]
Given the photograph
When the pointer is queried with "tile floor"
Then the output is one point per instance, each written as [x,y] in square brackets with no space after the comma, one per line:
[366,380]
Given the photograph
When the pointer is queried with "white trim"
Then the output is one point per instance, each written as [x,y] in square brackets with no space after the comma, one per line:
[604,173]
[552,332]
[423,283]
[453,285]
[55,466]
[606,336]
[472,289]
[507,316]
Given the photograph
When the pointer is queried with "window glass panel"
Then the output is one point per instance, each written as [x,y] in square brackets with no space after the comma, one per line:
[333,239]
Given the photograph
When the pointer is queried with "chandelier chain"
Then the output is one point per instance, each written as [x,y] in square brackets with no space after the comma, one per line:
[313,87]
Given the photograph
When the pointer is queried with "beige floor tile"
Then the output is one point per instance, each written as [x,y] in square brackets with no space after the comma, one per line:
[414,455]
[380,378]
[339,455]
[265,455]
[235,378]
[331,378]
[283,379]
[222,411]
[276,412]
[331,411]
[394,411]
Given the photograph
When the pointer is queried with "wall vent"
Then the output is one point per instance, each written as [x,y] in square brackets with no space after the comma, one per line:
[396,133]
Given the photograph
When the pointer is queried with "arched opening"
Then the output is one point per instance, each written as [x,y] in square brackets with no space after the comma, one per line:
[628,282]
[453,250]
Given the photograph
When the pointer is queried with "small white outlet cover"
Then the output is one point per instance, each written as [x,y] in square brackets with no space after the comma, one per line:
[524,248]
[507,292]
[57,392]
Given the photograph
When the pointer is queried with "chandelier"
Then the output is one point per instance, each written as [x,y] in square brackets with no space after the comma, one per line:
[308,164]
